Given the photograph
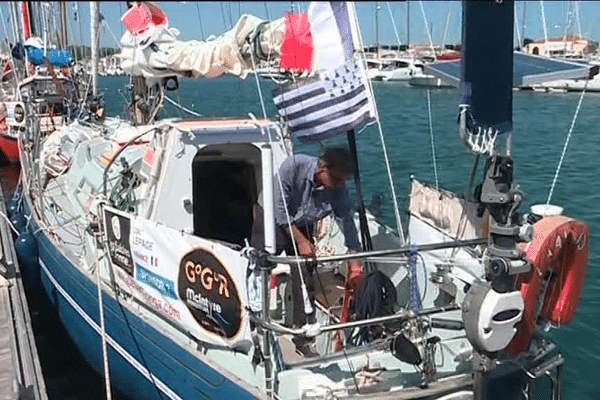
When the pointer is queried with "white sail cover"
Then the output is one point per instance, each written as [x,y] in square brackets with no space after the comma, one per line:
[159,53]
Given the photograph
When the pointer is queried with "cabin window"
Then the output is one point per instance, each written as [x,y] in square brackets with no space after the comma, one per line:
[224,193]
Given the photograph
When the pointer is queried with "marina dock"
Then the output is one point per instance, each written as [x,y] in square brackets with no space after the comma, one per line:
[20,370]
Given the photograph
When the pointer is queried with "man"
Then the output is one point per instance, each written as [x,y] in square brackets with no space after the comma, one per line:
[312,189]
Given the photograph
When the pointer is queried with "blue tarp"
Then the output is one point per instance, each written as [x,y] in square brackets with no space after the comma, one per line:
[58,58]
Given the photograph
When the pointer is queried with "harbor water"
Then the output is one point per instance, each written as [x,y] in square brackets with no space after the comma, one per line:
[420,132]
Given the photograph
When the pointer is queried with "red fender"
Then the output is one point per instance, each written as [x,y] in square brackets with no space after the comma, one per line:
[559,253]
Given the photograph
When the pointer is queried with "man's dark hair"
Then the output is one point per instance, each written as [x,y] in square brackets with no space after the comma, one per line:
[338,159]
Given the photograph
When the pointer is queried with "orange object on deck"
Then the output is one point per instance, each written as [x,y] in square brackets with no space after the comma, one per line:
[559,253]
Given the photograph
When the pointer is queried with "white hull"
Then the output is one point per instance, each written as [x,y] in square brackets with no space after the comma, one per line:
[429,81]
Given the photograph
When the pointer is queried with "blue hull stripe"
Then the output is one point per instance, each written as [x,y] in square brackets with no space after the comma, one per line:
[135,363]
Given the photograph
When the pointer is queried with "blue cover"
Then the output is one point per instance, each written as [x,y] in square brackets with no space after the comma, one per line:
[58,58]
[487,63]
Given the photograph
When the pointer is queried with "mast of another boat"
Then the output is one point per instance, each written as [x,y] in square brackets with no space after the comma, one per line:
[26,33]
[377,27]
[94,22]
[62,11]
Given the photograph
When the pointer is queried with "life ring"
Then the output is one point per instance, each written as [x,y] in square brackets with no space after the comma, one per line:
[559,253]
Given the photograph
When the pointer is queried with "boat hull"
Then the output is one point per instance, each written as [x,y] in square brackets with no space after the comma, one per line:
[9,148]
[144,363]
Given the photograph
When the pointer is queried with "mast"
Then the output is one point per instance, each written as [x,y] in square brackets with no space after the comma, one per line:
[523,24]
[26,32]
[486,108]
[408,24]
[377,27]
[63,24]
[26,20]
[15,22]
[94,22]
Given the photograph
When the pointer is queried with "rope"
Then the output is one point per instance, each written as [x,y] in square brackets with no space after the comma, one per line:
[103,335]
[432,142]
[562,156]
[414,287]
[187,110]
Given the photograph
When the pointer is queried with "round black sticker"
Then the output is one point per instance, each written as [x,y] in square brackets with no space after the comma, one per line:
[210,293]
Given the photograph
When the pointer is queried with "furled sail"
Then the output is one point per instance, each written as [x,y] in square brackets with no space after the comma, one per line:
[151,49]
[486,99]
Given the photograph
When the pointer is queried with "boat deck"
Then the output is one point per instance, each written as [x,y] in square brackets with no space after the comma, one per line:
[20,369]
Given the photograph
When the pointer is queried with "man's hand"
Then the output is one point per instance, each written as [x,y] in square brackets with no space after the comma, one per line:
[306,248]
[354,273]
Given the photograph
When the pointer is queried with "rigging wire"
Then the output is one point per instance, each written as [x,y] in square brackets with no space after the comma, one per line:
[387,3]
[432,141]
[106,25]
[200,20]
[562,156]
[546,52]
[427,29]
[12,60]
[516,17]
[382,139]
[446,27]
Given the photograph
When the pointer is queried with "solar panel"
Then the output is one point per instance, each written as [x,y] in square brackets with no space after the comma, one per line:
[527,70]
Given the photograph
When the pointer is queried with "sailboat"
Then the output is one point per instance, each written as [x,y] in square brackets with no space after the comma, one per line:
[142,233]
[392,66]
[33,74]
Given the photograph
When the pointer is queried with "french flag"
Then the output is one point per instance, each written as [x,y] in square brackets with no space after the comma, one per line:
[337,98]
[324,38]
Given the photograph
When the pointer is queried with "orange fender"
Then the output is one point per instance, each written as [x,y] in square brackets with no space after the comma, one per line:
[559,253]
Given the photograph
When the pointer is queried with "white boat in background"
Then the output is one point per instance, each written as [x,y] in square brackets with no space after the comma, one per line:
[570,85]
[393,69]
[429,81]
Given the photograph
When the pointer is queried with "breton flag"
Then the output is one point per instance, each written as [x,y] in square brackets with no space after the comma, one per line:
[337,97]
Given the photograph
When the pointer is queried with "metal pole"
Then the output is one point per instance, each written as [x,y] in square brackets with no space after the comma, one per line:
[364,227]
[481,375]
[63,24]
[269,207]
[559,382]
[376,253]
[94,39]
[408,24]
[266,278]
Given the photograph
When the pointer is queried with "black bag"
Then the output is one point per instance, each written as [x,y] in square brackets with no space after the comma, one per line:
[376,298]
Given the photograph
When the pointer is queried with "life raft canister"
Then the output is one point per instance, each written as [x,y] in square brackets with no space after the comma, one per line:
[559,253]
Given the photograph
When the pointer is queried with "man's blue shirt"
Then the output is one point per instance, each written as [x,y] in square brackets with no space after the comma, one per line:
[307,203]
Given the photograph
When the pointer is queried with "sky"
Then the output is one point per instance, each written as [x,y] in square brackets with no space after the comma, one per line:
[198,20]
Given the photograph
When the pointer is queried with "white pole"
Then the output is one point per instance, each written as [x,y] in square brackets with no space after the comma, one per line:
[268,201]
[94,39]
